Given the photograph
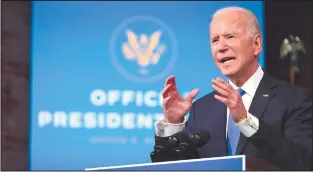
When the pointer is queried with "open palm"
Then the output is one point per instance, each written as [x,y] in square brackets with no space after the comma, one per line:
[174,106]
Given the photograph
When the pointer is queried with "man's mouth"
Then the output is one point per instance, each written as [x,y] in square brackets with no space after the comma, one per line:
[227,60]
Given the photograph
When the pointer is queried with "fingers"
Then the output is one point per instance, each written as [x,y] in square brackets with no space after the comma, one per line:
[192,95]
[173,82]
[220,83]
[227,94]
[170,85]
[165,101]
[166,90]
[228,102]
[222,87]
[221,91]
[170,80]
[221,99]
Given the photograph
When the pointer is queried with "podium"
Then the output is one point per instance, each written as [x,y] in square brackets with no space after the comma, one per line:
[229,163]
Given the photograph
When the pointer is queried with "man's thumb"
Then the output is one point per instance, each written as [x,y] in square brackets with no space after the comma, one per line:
[192,95]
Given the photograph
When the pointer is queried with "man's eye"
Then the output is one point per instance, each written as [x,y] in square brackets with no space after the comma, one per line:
[230,36]
[214,40]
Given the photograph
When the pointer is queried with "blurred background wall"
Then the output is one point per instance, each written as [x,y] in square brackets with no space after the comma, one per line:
[282,19]
[15,45]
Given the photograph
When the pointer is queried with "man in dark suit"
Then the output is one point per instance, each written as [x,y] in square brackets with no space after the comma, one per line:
[253,114]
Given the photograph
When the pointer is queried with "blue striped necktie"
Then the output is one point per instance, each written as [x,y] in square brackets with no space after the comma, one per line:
[233,132]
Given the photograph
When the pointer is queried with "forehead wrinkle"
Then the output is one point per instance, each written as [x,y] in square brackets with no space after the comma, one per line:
[225,34]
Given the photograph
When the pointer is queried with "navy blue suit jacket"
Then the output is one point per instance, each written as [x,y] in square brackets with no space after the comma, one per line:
[285,118]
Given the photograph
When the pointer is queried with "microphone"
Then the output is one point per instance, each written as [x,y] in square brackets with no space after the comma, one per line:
[200,138]
[164,147]
[188,149]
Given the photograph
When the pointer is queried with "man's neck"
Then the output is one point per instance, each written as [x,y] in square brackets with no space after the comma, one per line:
[242,77]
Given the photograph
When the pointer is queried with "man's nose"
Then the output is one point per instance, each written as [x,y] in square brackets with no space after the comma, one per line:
[222,46]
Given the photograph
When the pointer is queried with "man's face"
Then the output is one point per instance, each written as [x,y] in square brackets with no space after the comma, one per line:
[232,48]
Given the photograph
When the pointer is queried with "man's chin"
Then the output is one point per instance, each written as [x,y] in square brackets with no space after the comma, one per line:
[228,73]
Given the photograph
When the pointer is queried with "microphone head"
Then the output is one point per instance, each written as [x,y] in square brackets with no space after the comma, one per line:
[200,138]
[158,147]
[178,138]
[173,141]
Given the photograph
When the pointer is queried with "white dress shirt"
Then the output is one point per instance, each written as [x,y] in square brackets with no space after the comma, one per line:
[248,126]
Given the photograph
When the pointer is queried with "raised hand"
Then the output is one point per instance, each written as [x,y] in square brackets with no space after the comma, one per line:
[174,106]
[231,98]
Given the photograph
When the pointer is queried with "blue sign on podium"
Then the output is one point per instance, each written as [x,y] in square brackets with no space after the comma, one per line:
[228,163]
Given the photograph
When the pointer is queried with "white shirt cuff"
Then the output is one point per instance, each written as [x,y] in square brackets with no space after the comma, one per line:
[163,129]
[249,126]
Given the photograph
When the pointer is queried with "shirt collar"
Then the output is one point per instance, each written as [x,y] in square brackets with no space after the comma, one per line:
[251,85]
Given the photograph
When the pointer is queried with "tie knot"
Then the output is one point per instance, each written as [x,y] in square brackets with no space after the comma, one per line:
[241,91]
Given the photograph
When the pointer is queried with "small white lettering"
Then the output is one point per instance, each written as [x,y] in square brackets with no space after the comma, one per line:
[98,97]
[44,118]
[150,98]
[92,120]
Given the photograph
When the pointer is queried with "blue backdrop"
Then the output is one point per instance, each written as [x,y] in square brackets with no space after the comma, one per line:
[95,91]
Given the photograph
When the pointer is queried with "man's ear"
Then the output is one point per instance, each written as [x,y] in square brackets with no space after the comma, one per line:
[257,45]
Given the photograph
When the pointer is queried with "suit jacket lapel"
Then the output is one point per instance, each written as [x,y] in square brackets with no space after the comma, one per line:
[264,93]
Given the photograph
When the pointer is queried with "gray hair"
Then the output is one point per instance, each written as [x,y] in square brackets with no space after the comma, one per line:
[251,20]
